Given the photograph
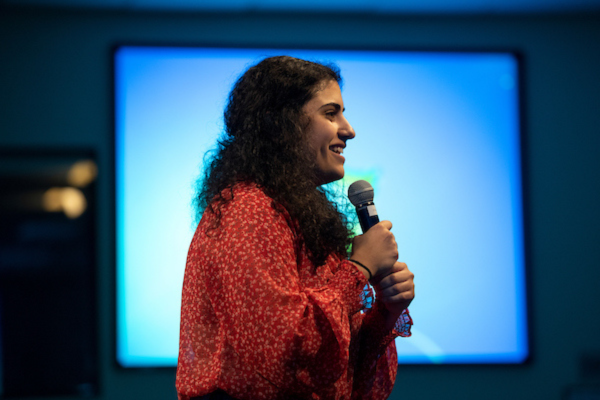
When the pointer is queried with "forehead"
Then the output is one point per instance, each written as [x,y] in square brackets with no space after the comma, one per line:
[330,93]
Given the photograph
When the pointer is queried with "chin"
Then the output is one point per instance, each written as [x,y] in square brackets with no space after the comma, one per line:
[331,177]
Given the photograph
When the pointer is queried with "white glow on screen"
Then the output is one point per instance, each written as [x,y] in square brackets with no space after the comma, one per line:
[437,137]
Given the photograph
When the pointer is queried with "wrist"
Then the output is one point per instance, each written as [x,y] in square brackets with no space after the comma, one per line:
[364,269]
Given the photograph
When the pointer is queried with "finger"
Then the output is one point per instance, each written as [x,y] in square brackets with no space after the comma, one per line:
[402,295]
[404,298]
[399,266]
[401,274]
[392,279]
[398,288]
[385,279]
[386,224]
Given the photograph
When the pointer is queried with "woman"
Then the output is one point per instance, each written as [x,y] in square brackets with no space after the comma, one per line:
[271,305]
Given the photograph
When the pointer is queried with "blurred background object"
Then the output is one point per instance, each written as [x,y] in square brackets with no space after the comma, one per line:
[48,308]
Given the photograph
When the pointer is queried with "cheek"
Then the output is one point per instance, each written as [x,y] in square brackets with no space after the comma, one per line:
[315,139]
[322,135]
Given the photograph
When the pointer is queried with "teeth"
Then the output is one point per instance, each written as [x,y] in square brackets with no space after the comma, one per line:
[337,149]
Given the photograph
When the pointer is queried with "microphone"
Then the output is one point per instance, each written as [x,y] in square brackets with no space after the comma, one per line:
[361,196]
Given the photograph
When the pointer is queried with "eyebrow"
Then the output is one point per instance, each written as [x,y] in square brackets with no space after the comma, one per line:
[336,105]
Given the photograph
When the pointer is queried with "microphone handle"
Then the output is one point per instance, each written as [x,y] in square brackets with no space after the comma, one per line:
[367,216]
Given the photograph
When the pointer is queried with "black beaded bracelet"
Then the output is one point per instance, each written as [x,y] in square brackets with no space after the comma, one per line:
[363,265]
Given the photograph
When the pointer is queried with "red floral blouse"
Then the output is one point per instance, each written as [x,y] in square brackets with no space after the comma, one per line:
[260,322]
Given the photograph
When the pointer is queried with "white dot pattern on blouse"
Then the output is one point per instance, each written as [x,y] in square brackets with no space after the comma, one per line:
[260,322]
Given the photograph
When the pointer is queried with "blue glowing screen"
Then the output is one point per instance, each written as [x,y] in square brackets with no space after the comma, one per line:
[438,138]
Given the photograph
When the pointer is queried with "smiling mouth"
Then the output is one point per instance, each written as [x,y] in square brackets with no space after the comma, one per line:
[337,149]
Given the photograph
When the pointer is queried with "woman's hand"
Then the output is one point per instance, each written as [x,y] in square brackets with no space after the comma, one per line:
[396,289]
[376,249]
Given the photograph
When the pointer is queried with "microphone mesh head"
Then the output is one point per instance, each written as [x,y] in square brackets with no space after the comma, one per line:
[360,192]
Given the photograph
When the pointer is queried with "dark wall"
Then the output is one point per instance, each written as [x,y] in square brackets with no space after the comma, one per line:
[55,92]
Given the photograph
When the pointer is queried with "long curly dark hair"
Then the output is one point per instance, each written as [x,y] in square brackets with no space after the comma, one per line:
[265,142]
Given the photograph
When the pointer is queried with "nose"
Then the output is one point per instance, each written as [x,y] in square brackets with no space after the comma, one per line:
[346,129]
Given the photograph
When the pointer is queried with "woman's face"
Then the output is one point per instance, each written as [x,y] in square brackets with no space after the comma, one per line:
[328,132]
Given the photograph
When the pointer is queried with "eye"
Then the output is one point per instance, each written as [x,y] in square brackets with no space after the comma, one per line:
[331,114]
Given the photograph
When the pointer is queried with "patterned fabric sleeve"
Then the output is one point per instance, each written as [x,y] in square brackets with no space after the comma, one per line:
[377,358]
[295,339]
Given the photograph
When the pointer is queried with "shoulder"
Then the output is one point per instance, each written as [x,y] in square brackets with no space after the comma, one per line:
[247,197]
[247,193]
[250,222]
[248,204]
